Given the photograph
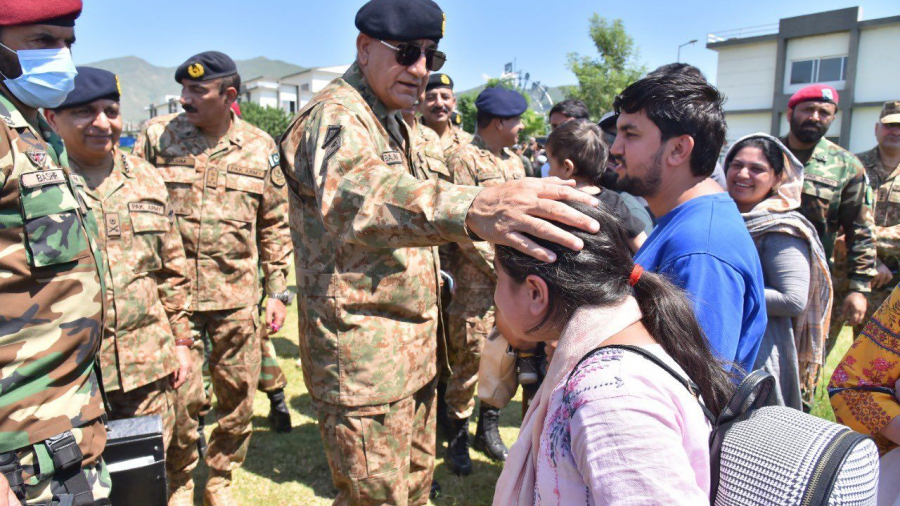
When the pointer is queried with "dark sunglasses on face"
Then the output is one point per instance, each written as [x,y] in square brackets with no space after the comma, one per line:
[408,54]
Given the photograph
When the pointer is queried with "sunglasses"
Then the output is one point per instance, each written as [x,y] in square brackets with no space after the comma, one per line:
[408,54]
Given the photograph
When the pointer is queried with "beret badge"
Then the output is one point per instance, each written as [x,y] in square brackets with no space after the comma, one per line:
[196,70]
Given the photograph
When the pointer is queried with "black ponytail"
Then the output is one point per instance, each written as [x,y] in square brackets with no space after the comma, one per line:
[598,275]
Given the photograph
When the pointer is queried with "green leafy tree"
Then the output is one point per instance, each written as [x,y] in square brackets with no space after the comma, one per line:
[535,125]
[602,77]
[272,120]
[465,105]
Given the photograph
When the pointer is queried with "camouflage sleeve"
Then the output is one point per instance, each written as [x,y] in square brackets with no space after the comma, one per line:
[141,145]
[274,231]
[856,218]
[480,254]
[370,198]
[173,285]
[888,241]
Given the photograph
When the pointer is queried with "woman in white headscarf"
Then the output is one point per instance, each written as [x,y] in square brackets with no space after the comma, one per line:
[766,180]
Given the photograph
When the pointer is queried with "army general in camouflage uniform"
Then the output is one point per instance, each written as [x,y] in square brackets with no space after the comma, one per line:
[882,165]
[365,223]
[227,191]
[147,290]
[836,197]
[486,161]
[52,292]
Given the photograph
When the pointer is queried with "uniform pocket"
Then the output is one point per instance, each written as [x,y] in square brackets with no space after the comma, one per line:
[489,179]
[242,196]
[53,231]
[149,231]
[437,166]
[179,182]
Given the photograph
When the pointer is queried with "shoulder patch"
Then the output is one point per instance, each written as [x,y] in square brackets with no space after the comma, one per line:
[392,157]
[38,157]
[332,143]
[277,176]
[274,159]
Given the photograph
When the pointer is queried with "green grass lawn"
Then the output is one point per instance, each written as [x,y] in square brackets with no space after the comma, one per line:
[291,469]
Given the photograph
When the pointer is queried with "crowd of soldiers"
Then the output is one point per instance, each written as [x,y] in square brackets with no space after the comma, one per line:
[125,275]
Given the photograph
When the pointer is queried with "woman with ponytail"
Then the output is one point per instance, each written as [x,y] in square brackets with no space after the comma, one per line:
[617,428]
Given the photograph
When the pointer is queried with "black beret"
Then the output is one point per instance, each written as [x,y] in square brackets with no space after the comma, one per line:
[502,102]
[608,121]
[401,20]
[92,84]
[436,80]
[205,66]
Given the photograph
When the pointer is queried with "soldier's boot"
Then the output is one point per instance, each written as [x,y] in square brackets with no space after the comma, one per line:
[279,416]
[487,434]
[218,490]
[201,439]
[181,491]
[457,455]
[443,419]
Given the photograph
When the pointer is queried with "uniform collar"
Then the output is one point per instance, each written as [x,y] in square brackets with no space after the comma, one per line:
[54,145]
[122,164]
[235,133]
[355,78]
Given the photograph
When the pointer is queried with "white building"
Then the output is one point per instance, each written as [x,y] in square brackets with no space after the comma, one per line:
[761,67]
[290,92]
[166,105]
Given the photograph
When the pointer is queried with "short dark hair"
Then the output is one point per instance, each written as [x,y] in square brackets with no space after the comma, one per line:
[681,104]
[581,141]
[232,81]
[572,108]
[770,150]
[679,68]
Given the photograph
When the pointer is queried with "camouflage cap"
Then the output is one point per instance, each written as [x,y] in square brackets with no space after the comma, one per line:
[890,113]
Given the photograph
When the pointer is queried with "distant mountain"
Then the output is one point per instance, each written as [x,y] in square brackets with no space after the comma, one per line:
[143,82]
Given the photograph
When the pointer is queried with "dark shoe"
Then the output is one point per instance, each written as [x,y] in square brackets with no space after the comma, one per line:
[201,442]
[487,435]
[279,416]
[457,455]
[435,490]
[528,365]
[443,420]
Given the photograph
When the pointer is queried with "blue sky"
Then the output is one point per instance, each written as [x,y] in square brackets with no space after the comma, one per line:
[482,35]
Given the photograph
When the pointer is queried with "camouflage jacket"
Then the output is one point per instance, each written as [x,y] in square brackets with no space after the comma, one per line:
[51,291]
[364,227]
[887,206]
[231,208]
[836,197]
[475,165]
[146,281]
[453,139]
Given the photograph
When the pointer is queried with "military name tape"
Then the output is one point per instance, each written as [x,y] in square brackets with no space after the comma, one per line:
[42,178]
[147,207]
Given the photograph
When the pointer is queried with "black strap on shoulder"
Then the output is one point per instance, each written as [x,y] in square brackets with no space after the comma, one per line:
[686,382]
[12,471]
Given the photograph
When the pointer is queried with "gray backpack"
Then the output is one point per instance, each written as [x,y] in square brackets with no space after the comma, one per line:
[774,455]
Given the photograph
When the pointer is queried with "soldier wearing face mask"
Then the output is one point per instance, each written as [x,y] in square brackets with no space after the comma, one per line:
[52,288]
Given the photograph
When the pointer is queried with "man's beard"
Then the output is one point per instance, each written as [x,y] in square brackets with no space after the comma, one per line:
[646,187]
[808,135]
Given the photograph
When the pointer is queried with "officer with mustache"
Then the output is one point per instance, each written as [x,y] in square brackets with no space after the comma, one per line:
[438,115]
[836,197]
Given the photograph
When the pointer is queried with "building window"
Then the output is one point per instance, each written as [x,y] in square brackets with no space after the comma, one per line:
[304,87]
[820,70]
[289,106]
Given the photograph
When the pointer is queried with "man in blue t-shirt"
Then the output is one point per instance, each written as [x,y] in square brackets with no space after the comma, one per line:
[671,127]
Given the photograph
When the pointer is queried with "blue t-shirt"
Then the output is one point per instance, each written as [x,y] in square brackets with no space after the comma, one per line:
[703,246]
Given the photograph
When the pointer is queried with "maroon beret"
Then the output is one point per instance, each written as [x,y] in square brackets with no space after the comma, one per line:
[816,92]
[36,12]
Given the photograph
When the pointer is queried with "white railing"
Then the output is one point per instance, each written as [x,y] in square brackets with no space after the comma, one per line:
[740,33]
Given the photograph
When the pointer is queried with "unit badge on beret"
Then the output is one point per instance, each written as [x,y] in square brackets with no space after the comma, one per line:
[196,70]
[445,79]
[826,93]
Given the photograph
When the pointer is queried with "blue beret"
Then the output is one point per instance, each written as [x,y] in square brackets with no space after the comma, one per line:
[92,84]
[502,102]
[401,20]
[436,80]
[206,66]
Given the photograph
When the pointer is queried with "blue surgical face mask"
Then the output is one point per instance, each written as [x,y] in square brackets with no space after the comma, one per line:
[48,75]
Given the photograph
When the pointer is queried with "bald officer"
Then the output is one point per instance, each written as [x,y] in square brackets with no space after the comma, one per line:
[365,228]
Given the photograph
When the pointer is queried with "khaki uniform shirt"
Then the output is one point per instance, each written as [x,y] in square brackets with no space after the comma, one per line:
[887,207]
[148,292]
[231,208]
[365,222]
[836,197]
[51,292]
[475,165]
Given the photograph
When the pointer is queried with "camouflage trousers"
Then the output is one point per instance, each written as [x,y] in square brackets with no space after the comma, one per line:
[470,317]
[41,487]
[381,455]
[157,398]
[271,377]
[234,363]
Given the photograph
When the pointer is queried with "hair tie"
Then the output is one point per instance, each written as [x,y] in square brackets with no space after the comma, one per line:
[635,276]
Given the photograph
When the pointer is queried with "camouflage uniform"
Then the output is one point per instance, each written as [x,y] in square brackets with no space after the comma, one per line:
[271,377]
[365,224]
[836,197]
[147,288]
[453,139]
[52,292]
[471,313]
[231,205]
